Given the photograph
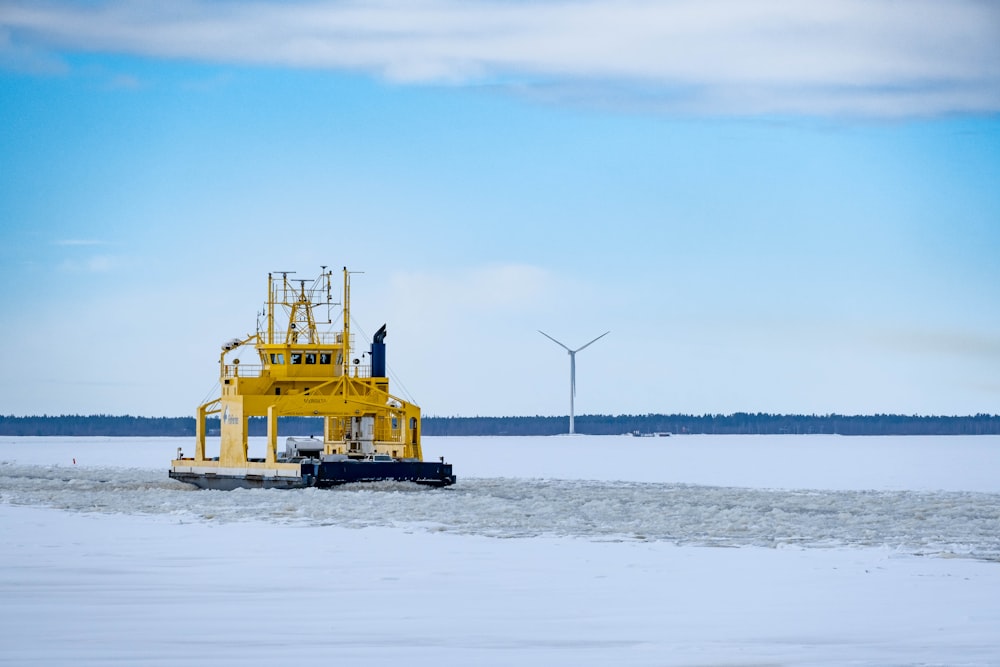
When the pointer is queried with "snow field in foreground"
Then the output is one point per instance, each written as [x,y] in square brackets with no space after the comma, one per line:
[97,589]
[108,561]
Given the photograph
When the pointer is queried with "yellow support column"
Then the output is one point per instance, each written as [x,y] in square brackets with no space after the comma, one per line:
[413,424]
[199,435]
[272,435]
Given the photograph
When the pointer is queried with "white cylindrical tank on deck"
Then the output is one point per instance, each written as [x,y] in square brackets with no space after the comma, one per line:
[363,433]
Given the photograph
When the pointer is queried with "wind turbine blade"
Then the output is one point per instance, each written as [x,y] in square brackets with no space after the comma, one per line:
[591,342]
[555,341]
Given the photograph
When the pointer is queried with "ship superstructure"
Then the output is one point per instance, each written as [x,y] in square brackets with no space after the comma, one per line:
[368,434]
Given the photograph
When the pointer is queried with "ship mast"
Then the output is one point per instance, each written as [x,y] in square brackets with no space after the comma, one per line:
[347,323]
[273,301]
[270,309]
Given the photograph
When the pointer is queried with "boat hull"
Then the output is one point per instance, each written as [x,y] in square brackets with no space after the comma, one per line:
[335,473]
[326,475]
[231,482]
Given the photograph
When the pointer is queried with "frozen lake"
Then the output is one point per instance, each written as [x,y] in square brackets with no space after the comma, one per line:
[558,550]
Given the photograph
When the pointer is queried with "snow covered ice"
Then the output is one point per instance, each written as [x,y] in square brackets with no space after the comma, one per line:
[578,550]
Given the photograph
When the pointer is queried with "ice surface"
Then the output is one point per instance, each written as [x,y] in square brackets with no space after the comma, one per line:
[952,523]
[579,500]
[948,463]
[109,561]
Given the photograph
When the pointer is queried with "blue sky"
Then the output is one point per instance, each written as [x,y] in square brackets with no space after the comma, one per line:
[772,208]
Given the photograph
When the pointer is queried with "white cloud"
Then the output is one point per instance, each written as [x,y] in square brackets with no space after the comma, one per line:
[93,264]
[461,337]
[124,82]
[861,57]
[24,58]
[491,288]
[980,348]
[77,242]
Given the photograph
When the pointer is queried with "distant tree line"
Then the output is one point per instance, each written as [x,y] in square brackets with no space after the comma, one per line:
[103,425]
[737,423]
[111,425]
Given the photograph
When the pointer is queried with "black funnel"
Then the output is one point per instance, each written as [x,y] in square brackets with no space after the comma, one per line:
[378,353]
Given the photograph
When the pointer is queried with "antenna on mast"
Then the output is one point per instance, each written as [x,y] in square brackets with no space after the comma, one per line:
[572,371]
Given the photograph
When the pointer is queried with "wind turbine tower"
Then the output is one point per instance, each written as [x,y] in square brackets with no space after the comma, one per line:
[572,371]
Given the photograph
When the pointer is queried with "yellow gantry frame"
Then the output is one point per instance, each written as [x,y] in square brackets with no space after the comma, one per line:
[309,374]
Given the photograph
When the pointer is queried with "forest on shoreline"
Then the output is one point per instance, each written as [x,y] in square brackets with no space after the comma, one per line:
[738,423]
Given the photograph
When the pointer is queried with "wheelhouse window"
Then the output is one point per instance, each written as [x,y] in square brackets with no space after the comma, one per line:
[324,358]
[277,358]
[296,358]
[310,357]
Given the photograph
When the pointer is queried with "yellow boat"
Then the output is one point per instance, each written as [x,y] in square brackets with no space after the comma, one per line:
[368,434]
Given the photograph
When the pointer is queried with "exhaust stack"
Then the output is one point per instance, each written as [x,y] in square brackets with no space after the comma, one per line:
[378,353]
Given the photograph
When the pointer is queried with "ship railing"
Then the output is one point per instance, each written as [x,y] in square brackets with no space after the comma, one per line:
[242,370]
[255,370]
[361,371]
[382,433]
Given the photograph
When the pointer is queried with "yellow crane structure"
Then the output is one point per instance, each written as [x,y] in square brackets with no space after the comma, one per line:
[368,433]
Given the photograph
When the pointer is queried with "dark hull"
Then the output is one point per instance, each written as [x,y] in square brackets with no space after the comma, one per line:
[228,482]
[330,474]
[335,473]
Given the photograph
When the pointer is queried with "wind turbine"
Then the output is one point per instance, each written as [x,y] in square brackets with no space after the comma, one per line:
[572,370]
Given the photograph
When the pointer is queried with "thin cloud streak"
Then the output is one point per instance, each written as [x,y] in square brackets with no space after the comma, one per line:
[874,58]
[95,264]
[973,346]
[78,242]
